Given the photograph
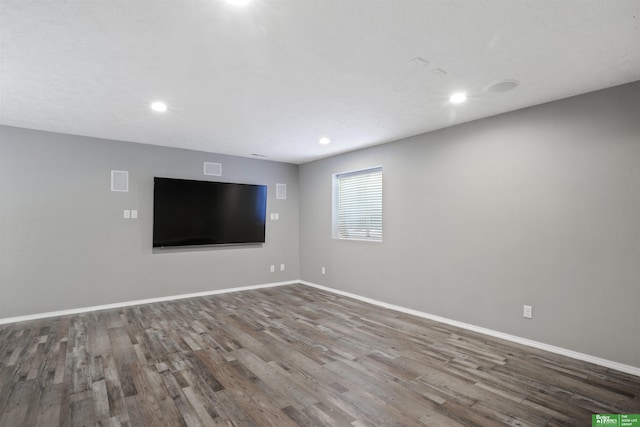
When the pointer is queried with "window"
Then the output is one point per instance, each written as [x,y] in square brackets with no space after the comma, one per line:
[357,205]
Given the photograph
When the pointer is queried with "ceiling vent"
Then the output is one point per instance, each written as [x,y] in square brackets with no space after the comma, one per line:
[503,86]
[419,62]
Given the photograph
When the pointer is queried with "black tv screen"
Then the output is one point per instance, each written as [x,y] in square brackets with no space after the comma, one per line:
[189,213]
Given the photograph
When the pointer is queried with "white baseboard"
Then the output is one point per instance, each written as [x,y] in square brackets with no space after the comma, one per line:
[139,302]
[519,340]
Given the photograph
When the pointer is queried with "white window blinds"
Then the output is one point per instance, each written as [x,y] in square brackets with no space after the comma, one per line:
[359,210]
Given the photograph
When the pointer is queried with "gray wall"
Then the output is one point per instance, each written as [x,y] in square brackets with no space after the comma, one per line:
[64,243]
[540,206]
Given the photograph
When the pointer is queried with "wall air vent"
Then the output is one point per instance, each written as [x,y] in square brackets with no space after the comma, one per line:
[119,181]
[213,169]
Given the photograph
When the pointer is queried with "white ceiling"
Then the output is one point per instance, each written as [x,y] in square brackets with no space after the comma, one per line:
[273,77]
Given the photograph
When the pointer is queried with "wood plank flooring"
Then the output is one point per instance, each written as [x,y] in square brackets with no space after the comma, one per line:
[287,356]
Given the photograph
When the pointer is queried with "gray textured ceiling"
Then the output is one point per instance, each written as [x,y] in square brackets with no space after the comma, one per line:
[275,76]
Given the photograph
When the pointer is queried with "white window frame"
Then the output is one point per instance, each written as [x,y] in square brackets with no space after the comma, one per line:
[337,233]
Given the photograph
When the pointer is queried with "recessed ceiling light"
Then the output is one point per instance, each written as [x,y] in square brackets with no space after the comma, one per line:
[239,2]
[160,107]
[459,97]
[324,141]
[503,86]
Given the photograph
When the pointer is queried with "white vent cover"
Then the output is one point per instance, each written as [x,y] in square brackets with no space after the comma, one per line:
[119,180]
[281,191]
[213,169]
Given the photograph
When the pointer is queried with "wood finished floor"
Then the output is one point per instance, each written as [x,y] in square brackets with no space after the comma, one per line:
[287,356]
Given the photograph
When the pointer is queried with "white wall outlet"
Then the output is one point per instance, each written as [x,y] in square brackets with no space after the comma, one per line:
[277,216]
[126,214]
[273,216]
[324,270]
[281,267]
[134,213]
[527,311]
[273,268]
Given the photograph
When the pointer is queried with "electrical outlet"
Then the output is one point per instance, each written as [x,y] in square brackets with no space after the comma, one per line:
[126,214]
[273,268]
[134,213]
[281,267]
[324,270]
[527,312]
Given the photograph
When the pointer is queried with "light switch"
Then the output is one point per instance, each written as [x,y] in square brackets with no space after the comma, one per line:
[134,213]
[127,213]
[277,216]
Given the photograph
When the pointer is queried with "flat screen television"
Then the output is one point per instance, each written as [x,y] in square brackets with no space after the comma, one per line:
[191,213]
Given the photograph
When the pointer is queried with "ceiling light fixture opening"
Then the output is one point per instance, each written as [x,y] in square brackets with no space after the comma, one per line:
[239,2]
[158,106]
[324,141]
[458,97]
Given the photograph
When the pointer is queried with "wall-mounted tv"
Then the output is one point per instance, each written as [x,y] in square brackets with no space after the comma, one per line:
[190,213]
